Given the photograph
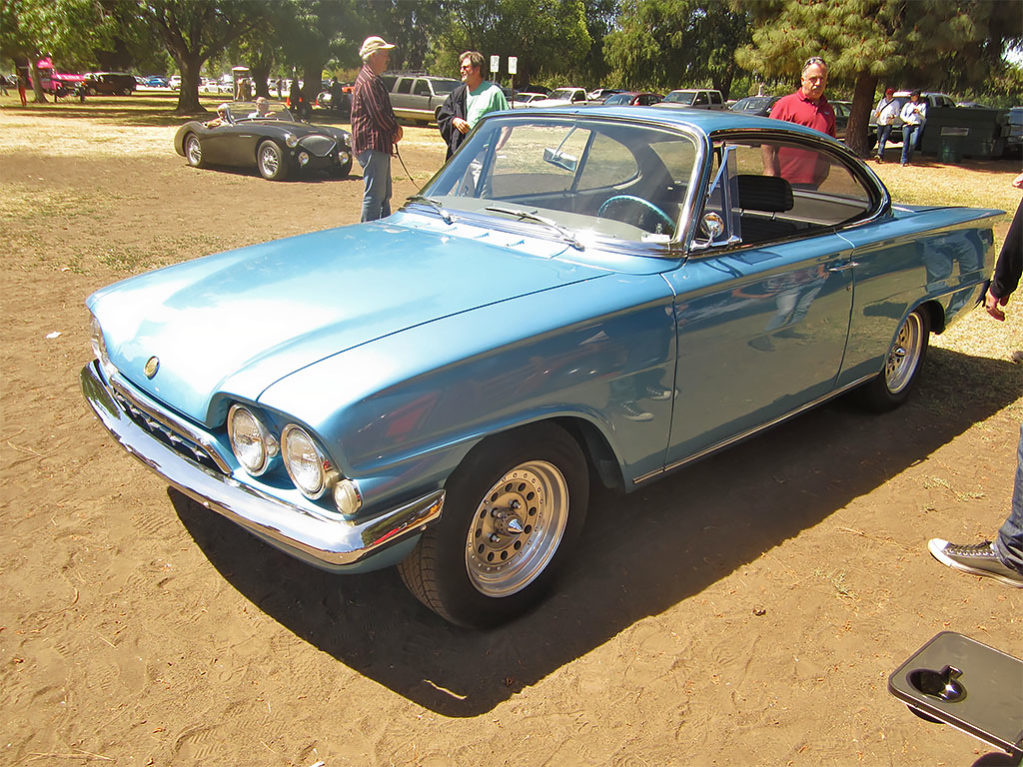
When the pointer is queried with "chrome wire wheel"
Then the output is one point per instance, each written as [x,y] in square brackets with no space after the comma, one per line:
[517,528]
[193,151]
[270,161]
[904,356]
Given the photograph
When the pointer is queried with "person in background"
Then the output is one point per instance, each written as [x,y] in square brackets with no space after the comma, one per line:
[885,112]
[914,115]
[807,106]
[375,130]
[1003,558]
[21,89]
[469,102]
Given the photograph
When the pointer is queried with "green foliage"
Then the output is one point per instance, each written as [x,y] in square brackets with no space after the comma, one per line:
[670,44]
[547,36]
[66,30]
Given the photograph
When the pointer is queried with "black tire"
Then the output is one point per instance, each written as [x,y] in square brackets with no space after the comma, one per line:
[193,151]
[271,161]
[512,515]
[902,364]
[342,171]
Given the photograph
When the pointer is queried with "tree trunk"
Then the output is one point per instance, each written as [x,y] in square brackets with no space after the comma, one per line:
[856,137]
[37,82]
[188,97]
[312,80]
[260,72]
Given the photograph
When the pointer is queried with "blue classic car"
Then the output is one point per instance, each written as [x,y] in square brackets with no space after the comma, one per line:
[605,293]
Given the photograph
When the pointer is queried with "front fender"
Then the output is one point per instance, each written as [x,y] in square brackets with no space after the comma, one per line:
[405,409]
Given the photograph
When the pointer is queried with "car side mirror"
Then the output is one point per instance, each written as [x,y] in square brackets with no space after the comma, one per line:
[712,225]
[560,159]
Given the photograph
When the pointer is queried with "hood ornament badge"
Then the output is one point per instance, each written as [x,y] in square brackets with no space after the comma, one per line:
[152,365]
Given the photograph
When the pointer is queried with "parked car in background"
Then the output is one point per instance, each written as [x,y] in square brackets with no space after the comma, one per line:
[277,145]
[754,105]
[157,81]
[560,97]
[599,295]
[842,111]
[602,93]
[633,98]
[524,99]
[699,98]
[418,97]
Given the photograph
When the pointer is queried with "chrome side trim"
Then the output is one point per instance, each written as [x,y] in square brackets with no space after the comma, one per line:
[745,435]
[326,540]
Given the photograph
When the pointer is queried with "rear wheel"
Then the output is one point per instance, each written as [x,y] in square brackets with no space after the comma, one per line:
[513,512]
[193,150]
[271,161]
[901,366]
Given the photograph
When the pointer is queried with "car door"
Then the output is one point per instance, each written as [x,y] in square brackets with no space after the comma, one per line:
[763,303]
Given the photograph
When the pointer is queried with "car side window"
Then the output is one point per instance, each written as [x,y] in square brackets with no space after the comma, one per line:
[607,163]
[715,98]
[700,100]
[404,85]
[779,189]
[422,88]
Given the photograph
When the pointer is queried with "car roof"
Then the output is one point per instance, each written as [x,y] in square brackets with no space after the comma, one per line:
[703,120]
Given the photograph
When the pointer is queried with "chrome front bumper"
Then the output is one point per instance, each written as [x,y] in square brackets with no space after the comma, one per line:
[329,542]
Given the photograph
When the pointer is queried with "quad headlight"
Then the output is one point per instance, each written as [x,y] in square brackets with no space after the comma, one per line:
[310,470]
[291,140]
[253,444]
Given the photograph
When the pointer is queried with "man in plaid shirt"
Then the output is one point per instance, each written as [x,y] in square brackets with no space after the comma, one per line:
[375,129]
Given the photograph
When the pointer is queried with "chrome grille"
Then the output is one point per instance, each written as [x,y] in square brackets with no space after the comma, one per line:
[321,146]
[181,438]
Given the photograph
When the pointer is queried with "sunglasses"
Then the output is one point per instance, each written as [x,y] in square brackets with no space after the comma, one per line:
[815,60]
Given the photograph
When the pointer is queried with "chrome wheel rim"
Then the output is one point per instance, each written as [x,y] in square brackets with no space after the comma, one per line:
[517,528]
[904,355]
[269,160]
[194,151]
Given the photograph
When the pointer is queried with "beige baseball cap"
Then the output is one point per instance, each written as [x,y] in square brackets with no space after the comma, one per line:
[373,44]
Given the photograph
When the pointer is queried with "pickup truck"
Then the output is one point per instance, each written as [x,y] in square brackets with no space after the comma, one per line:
[695,98]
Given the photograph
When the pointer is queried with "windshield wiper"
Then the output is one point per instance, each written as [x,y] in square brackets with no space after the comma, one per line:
[525,215]
[444,214]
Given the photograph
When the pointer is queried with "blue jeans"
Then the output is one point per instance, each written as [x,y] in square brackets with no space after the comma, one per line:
[376,175]
[910,136]
[1009,543]
[883,132]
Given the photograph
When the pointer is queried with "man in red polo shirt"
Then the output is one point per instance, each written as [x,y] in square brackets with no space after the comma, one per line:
[807,106]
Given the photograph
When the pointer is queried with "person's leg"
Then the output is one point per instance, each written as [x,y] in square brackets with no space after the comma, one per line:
[882,138]
[385,171]
[907,143]
[1001,560]
[1009,543]
[376,178]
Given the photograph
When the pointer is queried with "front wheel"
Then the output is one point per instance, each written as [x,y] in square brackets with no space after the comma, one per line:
[193,150]
[901,366]
[271,162]
[513,512]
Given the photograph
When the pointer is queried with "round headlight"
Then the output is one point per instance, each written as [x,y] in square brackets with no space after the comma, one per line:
[308,468]
[291,140]
[253,445]
[99,347]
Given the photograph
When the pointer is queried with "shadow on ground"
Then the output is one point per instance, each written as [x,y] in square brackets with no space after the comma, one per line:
[639,555]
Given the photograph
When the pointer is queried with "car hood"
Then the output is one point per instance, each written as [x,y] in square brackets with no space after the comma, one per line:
[238,321]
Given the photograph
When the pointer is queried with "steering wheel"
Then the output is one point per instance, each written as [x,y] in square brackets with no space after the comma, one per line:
[642,203]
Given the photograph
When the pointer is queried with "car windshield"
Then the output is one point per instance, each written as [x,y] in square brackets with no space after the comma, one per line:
[593,177]
[680,97]
[562,93]
[248,111]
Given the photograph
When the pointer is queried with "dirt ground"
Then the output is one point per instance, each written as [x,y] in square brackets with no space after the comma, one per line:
[746,610]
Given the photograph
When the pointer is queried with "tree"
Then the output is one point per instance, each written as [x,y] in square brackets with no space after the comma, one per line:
[545,35]
[311,32]
[932,43]
[677,43]
[65,30]
[193,31]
